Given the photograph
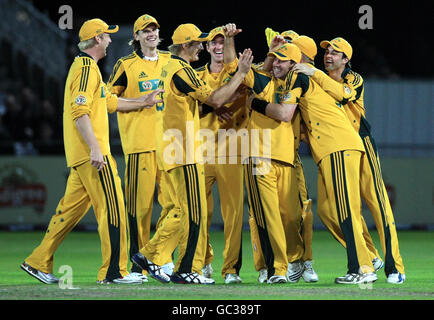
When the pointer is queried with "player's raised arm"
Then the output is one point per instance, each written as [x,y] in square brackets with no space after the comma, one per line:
[230,31]
[219,97]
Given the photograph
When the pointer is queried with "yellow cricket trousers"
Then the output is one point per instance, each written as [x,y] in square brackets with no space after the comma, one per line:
[307,215]
[141,177]
[273,200]
[160,247]
[87,186]
[375,195]
[306,226]
[188,184]
[339,182]
[230,182]
[331,222]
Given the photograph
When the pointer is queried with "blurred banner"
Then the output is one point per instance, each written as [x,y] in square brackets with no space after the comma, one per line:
[31,187]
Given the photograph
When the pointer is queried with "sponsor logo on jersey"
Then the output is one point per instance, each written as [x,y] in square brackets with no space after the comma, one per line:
[142,75]
[347,90]
[148,85]
[103,92]
[80,100]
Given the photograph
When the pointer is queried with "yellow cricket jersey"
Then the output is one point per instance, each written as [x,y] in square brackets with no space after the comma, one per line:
[178,124]
[86,93]
[279,139]
[349,92]
[133,77]
[326,121]
[210,121]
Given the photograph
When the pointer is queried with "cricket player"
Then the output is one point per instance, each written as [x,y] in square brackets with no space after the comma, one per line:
[270,170]
[177,126]
[224,168]
[93,179]
[133,76]
[274,40]
[346,86]
[309,50]
[337,150]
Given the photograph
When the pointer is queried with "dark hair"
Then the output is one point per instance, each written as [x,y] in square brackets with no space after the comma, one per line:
[135,44]
[348,64]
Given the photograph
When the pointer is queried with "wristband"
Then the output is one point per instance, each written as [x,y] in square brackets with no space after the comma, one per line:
[259,105]
[206,109]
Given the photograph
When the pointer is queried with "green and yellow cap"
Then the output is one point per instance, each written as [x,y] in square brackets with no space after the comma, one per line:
[188,32]
[92,28]
[339,44]
[286,52]
[143,21]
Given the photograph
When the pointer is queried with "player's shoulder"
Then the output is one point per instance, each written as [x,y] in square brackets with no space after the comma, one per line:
[352,77]
[164,53]
[84,63]
[130,56]
[298,80]
[201,69]
[125,60]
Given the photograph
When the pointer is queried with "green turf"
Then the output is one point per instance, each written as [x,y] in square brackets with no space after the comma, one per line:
[81,251]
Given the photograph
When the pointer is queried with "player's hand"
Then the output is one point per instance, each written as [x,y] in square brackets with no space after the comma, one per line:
[97,159]
[304,68]
[245,61]
[149,100]
[231,30]
[277,42]
[224,114]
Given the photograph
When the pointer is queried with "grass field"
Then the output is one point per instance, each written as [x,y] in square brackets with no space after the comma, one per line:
[81,251]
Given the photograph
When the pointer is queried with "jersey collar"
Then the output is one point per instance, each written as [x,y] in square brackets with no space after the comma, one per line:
[84,54]
[345,72]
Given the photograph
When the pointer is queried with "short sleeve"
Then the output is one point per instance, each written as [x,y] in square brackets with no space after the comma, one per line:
[188,82]
[83,88]
[118,80]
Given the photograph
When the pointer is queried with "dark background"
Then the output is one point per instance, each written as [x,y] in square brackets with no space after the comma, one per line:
[398,46]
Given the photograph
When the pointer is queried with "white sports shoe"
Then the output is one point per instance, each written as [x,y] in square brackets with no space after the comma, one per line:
[207,271]
[128,279]
[47,278]
[309,275]
[168,268]
[396,278]
[295,271]
[263,275]
[141,276]
[231,278]
[190,278]
[277,279]
[356,278]
[377,264]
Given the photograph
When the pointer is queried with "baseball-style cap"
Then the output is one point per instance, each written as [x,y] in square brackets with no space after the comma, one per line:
[339,44]
[143,21]
[286,52]
[306,45]
[215,32]
[94,27]
[290,34]
[188,32]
